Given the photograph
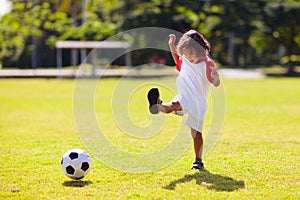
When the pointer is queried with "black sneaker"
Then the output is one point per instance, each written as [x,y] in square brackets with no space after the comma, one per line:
[154,101]
[199,165]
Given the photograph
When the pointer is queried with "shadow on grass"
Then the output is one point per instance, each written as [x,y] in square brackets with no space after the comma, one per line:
[210,181]
[76,183]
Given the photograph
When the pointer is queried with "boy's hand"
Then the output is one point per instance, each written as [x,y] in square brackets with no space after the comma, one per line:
[172,39]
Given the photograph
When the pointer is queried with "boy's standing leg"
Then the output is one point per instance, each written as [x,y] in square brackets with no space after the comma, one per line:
[198,147]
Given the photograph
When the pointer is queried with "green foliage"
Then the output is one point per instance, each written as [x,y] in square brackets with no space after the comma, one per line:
[26,20]
[281,27]
[236,18]
[97,25]
[15,28]
[48,22]
[93,29]
[259,27]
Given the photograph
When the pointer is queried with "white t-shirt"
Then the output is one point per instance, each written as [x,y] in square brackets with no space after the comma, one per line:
[193,83]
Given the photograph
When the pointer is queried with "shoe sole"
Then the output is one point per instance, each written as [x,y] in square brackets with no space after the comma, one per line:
[200,169]
[198,166]
[153,98]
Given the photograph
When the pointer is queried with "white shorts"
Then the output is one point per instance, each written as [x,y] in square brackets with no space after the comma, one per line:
[194,123]
[191,122]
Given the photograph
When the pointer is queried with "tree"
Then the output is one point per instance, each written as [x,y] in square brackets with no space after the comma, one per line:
[27,19]
[235,25]
[281,26]
[178,15]
[39,24]
[242,33]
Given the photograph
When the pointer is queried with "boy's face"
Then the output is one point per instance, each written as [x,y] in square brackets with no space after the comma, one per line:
[191,55]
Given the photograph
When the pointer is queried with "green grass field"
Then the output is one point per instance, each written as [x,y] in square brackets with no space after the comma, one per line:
[256,157]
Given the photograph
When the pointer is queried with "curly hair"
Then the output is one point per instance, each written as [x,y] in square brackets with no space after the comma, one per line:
[195,40]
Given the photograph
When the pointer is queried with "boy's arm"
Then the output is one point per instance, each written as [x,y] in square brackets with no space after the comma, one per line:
[172,39]
[215,77]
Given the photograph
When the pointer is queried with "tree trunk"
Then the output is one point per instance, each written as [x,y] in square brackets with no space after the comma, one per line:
[236,56]
[291,69]
[34,54]
[231,49]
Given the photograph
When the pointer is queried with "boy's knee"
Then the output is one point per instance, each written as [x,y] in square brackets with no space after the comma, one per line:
[196,135]
[176,106]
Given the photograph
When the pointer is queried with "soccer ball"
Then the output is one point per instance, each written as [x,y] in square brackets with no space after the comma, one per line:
[76,164]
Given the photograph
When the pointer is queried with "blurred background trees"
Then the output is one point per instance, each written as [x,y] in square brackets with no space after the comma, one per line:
[242,33]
